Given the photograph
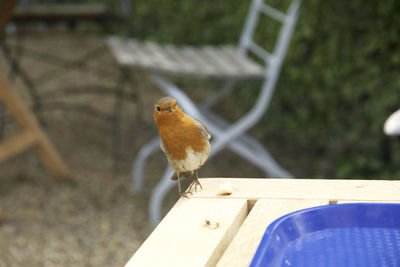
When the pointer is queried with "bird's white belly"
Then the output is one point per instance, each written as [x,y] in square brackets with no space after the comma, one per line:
[193,161]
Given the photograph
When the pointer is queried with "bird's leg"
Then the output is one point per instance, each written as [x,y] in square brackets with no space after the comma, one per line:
[181,194]
[196,180]
[179,183]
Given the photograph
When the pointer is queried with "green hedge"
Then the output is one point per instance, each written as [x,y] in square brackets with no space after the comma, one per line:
[339,82]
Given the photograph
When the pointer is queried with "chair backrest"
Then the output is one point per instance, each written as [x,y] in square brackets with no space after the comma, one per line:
[288,20]
[272,60]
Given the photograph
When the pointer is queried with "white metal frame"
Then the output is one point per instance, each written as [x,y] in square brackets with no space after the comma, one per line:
[232,136]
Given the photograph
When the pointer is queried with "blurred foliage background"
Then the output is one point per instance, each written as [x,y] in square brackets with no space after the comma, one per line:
[339,83]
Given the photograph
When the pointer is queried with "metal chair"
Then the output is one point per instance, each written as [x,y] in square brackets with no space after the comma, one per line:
[228,63]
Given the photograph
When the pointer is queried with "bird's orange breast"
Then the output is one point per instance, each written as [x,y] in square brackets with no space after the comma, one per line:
[179,133]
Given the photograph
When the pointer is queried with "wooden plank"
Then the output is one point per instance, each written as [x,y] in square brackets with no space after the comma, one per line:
[131,53]
[15,105]
[119,49]
[16,144]
[184,66]
[247,66]
[241,250]
[225,67]
[187,60]
[231,54]
[141,57]
[303,189]
[27,120]
[205,67]
[200,66]
[161,58]
[183,239]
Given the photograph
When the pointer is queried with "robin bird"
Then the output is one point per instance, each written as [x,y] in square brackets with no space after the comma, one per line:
[184,140]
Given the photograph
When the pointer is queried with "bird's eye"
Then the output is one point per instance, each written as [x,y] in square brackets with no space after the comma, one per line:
[170,109]
[158,109]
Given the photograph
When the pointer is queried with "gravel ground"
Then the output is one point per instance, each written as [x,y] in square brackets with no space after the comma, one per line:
[94,219]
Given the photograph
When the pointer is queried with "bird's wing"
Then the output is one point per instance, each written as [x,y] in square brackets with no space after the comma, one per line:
[203,128]
[164,149]
[162,146]
[187,174]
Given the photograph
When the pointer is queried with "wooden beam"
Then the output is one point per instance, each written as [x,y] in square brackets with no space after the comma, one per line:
[184,239]
[28,122]
[16,105]
[16,144]
[246,188]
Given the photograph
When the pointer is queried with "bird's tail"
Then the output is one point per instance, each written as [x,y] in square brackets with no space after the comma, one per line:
[182,175]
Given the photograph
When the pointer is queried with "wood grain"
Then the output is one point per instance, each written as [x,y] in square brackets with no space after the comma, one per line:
[246,188]
[183,239]
[211,62]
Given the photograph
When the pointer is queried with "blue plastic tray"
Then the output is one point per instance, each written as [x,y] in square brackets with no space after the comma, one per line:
[359,235]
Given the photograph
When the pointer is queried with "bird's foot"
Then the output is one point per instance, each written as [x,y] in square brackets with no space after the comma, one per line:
[185,194]
[196,184]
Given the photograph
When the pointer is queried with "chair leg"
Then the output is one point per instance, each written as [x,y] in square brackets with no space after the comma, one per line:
[262,160]
[144,153]
[16,69]
[252,151]
[32,134]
